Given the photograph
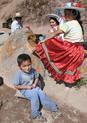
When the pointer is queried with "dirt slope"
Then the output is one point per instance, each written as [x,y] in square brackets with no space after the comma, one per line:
[31,9]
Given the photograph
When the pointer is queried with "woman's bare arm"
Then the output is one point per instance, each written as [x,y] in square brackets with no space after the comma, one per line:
[53,34]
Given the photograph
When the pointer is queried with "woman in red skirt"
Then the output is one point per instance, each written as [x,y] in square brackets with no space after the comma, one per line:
[63,58]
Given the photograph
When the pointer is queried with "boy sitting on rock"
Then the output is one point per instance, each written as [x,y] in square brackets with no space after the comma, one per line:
[26,81]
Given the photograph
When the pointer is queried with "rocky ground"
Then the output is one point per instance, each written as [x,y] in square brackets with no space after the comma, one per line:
[72,102]
[12,109]
[17,110]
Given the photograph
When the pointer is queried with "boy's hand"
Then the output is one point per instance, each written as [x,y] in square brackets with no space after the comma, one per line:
[34,85]
[26,87]
[29,87]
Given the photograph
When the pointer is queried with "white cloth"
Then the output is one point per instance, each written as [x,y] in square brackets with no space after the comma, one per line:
[15,26]
[72,31]
[61,21]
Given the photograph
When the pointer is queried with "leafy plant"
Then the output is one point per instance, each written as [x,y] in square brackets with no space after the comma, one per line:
[81,82]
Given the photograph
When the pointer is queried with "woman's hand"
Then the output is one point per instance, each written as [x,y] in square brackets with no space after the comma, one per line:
[42,41]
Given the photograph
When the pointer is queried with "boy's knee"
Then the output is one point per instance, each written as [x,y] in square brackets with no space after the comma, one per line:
[34,95]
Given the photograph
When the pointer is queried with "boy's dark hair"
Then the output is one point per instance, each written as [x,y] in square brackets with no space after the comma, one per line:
[23,57]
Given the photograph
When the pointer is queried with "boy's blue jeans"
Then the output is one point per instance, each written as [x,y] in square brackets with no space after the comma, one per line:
[37,96]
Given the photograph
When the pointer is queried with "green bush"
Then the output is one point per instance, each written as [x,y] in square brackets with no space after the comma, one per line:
[81,82]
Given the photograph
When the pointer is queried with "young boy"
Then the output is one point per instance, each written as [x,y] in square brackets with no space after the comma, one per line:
[26,81]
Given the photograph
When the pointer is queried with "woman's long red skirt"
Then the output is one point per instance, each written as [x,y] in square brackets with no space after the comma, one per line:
[62,59]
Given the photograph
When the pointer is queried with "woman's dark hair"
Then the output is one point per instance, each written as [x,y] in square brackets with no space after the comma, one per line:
[23,57]
[77,16]
[54,20]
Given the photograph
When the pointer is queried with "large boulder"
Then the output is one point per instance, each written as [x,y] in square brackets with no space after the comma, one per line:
[13,109]
[12,42]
